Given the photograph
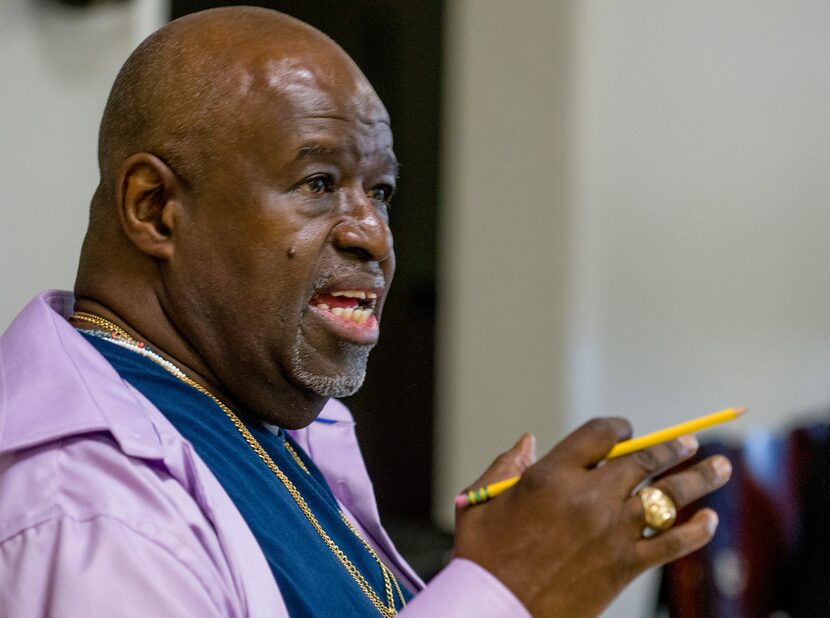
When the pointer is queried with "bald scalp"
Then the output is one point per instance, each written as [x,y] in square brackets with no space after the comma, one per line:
[178,94]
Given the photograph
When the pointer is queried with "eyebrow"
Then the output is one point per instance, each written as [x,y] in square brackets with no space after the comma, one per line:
[312,150]
[318,150]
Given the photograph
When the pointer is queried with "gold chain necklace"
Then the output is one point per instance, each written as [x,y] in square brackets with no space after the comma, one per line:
[386,609]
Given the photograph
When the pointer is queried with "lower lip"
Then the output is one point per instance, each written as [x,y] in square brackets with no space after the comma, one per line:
[362,334]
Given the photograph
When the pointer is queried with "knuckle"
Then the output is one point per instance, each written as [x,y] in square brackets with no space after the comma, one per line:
[505,463]
[676,545]
[608,427]
[681,494]
[633,512]
[534,479]
[675,452]
[647,460]
[596,426]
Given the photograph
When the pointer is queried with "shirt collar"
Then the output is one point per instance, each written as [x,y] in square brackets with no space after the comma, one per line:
[54,384]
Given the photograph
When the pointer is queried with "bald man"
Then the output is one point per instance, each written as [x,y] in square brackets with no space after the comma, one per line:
[171,445]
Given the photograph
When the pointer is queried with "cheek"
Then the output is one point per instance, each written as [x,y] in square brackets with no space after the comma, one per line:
[222,277]
[260,262]
[274,280]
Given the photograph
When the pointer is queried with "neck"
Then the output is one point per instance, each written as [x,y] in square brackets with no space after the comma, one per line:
[286,407]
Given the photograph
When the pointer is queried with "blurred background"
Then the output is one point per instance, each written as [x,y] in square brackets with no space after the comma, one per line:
[605,208]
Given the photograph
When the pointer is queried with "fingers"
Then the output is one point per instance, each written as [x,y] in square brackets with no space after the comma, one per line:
[686,486]
[683,488]
[511,463]
[597,525]
[689,485]
[590,443]
[631,470]
[678,541]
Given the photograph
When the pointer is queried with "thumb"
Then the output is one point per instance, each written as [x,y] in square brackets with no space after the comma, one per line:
[511,463]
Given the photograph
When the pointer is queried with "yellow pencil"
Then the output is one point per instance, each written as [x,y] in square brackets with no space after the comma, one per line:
[482,494]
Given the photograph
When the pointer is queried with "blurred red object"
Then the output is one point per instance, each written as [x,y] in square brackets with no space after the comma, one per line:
[771,552]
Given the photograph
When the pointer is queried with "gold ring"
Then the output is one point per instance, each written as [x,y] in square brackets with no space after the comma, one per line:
[659,510]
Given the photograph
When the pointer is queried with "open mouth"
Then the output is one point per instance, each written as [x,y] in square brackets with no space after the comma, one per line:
[357,306]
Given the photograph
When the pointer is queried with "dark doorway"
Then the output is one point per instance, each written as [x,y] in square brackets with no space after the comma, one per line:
[397,44]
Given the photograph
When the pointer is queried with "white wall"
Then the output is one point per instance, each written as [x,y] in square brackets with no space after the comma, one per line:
[687,223]
[56,67]
[701,255]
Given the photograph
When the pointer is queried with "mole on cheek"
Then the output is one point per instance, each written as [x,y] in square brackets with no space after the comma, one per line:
[291,252]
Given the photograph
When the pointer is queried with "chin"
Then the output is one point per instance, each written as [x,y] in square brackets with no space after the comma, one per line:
[344,381]
[332,386]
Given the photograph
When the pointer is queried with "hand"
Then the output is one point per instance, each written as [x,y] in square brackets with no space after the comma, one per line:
[568,537]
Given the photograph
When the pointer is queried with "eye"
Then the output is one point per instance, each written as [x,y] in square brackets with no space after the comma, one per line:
[381,193]
[317,185]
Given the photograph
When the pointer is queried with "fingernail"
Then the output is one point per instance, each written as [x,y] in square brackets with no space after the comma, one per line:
[689,443]
[530,444]
[723,467]
[712,522]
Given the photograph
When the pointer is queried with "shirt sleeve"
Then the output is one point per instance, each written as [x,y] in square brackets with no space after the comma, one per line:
[463,589]
[101,567]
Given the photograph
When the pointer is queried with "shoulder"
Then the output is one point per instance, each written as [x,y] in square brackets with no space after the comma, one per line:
[83,451]
[82,505]
[84,477]
[102,565]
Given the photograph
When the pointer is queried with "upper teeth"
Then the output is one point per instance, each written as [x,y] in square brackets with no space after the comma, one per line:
[359,314]
[355,294]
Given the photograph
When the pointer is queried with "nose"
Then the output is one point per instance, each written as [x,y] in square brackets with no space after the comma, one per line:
[364,230]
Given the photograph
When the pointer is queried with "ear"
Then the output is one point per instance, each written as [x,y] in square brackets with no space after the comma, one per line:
[149,195]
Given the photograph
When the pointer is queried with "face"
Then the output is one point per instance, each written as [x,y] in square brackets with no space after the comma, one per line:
[285,255]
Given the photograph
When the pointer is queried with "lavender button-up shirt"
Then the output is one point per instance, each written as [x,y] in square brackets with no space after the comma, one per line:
[106,510]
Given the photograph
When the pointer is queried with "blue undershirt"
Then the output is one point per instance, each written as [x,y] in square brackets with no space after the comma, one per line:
[311,579]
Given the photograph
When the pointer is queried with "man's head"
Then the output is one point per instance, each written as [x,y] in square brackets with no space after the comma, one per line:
[241,220]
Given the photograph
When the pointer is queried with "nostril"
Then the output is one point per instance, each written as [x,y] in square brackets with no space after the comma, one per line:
[359,252]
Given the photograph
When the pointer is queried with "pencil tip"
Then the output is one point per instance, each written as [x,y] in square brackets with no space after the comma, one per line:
[739,411]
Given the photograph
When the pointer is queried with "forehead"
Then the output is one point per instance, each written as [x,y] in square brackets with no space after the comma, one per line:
[321,86]
[319,110]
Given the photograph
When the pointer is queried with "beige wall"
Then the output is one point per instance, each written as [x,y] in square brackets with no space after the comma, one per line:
[505,232]
[637,223]
[56,68]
